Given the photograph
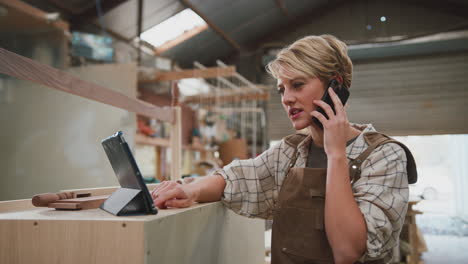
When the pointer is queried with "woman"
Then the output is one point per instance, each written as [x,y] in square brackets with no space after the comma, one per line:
[303,183]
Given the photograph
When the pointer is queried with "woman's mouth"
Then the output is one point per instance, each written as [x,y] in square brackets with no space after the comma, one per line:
[295,112]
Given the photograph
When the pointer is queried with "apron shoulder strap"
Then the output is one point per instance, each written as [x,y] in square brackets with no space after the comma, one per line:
[374,140]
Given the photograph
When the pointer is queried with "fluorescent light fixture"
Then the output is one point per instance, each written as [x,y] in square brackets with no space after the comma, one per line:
[172,27]
[193,86]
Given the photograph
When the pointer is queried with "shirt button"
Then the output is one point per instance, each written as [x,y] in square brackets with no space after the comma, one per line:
[284,249]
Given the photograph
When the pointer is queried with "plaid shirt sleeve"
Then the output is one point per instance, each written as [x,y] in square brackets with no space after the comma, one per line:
[382,195]
[252,185]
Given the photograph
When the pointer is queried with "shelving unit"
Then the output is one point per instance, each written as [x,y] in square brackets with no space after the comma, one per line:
[160,144]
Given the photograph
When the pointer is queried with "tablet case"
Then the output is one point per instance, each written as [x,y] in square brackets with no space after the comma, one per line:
[133,198]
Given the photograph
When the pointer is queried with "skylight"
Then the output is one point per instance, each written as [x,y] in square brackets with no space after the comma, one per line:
[172,27]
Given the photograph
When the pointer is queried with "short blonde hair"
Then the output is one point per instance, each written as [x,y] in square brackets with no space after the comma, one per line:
[322,56]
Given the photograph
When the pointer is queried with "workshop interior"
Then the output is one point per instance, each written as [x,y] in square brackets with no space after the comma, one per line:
[102,102]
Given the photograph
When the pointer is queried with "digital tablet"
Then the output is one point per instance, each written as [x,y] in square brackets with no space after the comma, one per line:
[133,197]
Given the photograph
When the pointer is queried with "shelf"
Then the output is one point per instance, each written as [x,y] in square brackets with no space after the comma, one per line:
[158,142]
[141,139]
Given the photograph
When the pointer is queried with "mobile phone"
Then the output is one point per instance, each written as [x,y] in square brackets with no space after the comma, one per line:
[340,90]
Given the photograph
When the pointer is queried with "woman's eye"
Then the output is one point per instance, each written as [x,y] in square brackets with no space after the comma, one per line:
[297,85]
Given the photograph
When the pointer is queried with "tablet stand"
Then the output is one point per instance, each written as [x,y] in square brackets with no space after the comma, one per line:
[125,201]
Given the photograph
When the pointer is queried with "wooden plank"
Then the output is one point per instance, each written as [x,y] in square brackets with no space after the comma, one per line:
[227,98]
[103,190]
[59,205]
[79,203]
[197,73]
[34,13]
[26,69]
[158,164]
[176,145]
[144,140]
[83,199]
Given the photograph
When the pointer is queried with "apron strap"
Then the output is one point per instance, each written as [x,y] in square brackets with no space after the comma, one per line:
[374,140]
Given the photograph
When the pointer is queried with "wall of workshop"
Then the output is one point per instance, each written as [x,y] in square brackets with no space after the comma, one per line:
[421,95]
[50,140]
[410,95]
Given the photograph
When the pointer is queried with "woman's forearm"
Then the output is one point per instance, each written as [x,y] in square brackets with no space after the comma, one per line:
[344,222]
[207,189]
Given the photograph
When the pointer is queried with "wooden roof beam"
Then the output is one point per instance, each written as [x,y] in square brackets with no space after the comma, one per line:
[34,13]
[197,73]
[187,35]
[225,36]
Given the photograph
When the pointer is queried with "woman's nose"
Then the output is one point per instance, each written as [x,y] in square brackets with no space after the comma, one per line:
[288,97]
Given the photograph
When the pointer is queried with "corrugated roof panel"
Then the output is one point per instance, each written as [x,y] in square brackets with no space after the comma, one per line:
[300,7]
[240,12]
[216,50]
[259,26]
[204,54]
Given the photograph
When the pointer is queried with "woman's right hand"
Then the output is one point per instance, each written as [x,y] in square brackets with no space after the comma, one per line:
[172,194]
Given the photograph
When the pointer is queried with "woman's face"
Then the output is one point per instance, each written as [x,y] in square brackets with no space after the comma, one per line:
[297,95]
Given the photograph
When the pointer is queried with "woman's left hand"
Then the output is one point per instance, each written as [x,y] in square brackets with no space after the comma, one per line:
[335,127]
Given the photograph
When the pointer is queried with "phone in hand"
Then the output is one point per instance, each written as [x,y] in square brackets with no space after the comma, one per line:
[340,90]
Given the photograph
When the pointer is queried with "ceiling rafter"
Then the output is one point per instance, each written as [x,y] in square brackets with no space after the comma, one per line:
[212,25]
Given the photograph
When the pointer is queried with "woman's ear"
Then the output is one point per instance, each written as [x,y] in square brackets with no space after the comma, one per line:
[338,78]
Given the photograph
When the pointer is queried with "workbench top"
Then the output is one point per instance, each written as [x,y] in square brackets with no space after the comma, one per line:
[44,213]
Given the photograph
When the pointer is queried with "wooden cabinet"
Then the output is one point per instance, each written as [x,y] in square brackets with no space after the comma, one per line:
[204,233]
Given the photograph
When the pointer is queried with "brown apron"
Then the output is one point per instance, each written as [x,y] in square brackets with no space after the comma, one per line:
[298,232]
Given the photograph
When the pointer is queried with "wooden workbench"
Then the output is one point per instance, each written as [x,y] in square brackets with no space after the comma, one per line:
[204,233]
